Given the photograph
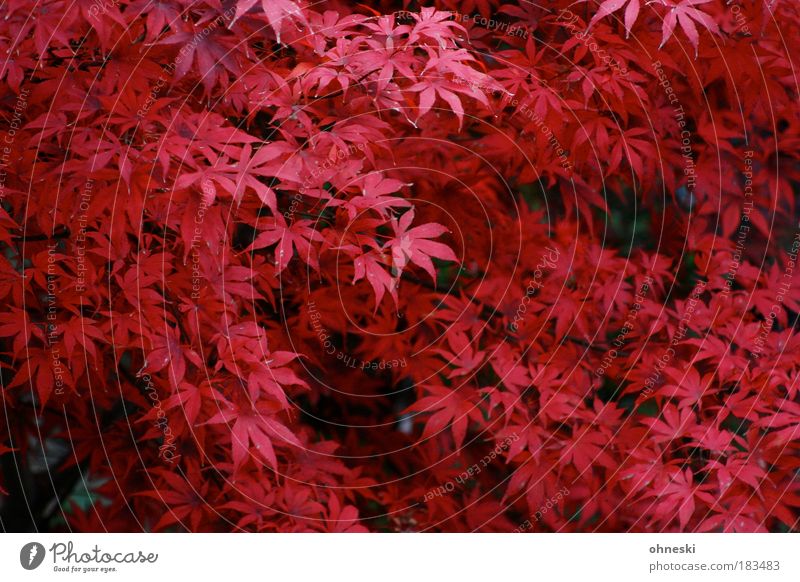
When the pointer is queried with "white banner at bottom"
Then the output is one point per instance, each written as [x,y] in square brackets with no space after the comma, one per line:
[400,557]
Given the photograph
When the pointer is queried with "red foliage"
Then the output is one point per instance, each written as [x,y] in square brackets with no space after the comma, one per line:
[342,268]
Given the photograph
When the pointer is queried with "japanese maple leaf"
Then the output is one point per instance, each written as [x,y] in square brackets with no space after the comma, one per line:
[16,323]
[350,138]
[258,427]
[451,64]
[448,407]
[541,97]
[229,280]
[733,519]
[529,439]
[428,89]
[639,473]
[545,377]
[414,245]
[205,177]
[434,24]
[530,478]
[773,278]
[635,149]
[739,467]
[566,315]
[688,387]
[278,12]
[685,14]
[332,24]
[586,449]
[788,420]
[319,461]
[298,236]
[371,265]
[13,69]
[251,166]
[258,510]
[207,135]
[207,49]
[671,425]
[385,57]
[99,21]
[159,16]
[715,440]
[182,497]
[38,371]
[514,376]
[245,341]
[269,377]
[190,399]
[611,6]
[462,354]
[342,519]
[741,403]
[7,226]
[594,79]
[104,151]
[677,497]
[80,330]
[51,27]
[557,406]
[376,190]
[714,348]
[167,352]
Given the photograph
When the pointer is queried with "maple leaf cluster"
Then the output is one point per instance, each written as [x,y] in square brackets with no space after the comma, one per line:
[285,266]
